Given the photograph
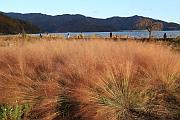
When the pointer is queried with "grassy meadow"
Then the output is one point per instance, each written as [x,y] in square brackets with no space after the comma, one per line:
[95,79]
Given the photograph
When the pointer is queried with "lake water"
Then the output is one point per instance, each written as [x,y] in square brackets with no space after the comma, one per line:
[134,34]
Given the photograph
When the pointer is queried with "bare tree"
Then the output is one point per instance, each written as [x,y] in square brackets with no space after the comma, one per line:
[149,25]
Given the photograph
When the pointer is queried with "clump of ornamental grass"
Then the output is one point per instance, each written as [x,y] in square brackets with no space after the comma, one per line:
[130,84]
[91,80]
[27,76]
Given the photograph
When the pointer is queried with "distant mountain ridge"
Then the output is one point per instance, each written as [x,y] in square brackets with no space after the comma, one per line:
[9,25]
[80,23]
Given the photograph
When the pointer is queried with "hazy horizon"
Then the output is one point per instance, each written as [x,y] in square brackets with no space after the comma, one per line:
[162,9]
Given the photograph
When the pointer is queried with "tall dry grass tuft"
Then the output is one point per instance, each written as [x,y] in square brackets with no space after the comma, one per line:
[28,75]
[125,80]
[92,80]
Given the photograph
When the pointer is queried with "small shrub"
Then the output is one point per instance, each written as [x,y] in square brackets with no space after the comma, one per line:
[13,112]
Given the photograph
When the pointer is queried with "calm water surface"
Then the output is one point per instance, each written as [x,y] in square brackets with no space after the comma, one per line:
[134,34]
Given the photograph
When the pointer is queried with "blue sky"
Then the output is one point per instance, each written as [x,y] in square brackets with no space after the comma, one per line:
[167,10]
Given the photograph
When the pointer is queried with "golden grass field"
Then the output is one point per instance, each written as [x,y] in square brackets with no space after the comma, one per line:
[56,79]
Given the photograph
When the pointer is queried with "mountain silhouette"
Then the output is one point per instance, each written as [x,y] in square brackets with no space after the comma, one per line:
[80,23]
[9,25]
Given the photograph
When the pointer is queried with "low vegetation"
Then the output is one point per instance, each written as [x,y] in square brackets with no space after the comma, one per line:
[56,79]
[13,112]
